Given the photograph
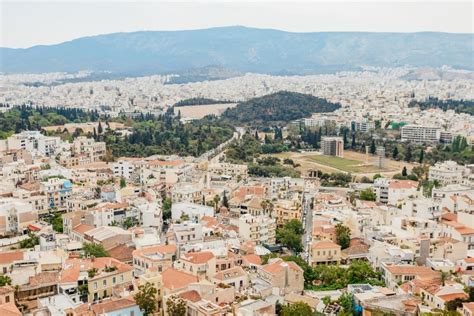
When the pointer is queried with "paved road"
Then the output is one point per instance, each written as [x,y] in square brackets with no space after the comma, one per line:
[209,155]
[307,223]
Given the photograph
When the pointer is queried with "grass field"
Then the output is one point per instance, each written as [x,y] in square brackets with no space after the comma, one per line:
[353,162]
[344,164]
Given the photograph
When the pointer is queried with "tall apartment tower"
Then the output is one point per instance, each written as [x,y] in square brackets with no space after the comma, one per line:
[332,146]
[380,157]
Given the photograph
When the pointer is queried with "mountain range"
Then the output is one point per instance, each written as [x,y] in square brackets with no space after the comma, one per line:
[239,49]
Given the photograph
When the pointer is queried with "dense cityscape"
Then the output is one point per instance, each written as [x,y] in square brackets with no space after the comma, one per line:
[318,162]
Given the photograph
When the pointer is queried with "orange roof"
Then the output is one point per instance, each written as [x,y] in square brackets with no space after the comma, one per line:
[176,279]
[412,270]
[279,265]
[9,257]
[192,296]
[468,306]
[252,259]
[9,309]
[73,267]
[453,296]
[403,184]
[324,245]
[113,304]
[162,249]
[469,260]
[82,228]
[198,257]
[465,230]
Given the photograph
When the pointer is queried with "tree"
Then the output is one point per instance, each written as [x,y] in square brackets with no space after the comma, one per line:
[225,200]
[123,183]
[57,222]
[5,280]
[290,235]
[146,298]
[343,236]
[296,309]
[95,250]
[422,156]
[395,152]
[216,201]
[376,176]
[166,208]
[372,147]
[404,172]
[176,306]
[367,195]
[99,128]
[346,300]
[408,154]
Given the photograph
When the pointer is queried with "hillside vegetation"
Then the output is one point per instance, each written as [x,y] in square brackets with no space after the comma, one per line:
[283,106]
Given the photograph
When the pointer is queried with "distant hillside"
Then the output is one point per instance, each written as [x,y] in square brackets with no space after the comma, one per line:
[459,106]
[282,106]
[200,101]
[227,51]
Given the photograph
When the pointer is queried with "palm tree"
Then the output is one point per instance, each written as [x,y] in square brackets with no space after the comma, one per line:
[216,201]
[267,207]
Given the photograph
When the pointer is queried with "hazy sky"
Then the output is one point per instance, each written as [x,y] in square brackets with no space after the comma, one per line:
[28,23]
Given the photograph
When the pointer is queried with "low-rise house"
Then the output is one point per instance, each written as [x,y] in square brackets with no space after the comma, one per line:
[155,257]
[93,278]
[395,274]
[235,277]
[201,264]
[283,277]
[325,252]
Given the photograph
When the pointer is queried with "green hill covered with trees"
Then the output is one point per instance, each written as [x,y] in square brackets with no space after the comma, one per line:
[280,107]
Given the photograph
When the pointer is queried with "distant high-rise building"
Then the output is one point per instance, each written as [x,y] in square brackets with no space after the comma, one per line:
[332,146]
[421,134]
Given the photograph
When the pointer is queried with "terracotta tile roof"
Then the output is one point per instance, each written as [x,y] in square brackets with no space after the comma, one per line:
[44,278]
[10,257]
[122,253]
[468,260]
[453,296]
[324,245]
[279,265]
[197,257]
[403,184]
[412,270]
[174,279]
[82,228]
[252,259]
[9,309]
[113,304]
[192,296]
[469,306]
[465,230]
[73,267]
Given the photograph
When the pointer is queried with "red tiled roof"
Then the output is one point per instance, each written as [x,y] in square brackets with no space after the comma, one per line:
[175,279]
[198,257]
[9,257]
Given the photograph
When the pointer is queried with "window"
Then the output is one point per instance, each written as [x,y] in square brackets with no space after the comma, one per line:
[7,299]
[104,282]
[95,285]
[114,280]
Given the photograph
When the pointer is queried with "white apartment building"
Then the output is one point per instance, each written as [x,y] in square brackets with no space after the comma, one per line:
[95,151]
[125,167]
[447,172]
[187,233]
[362,126]
[421,134]
[424,208]
[32,141]
[259,229]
